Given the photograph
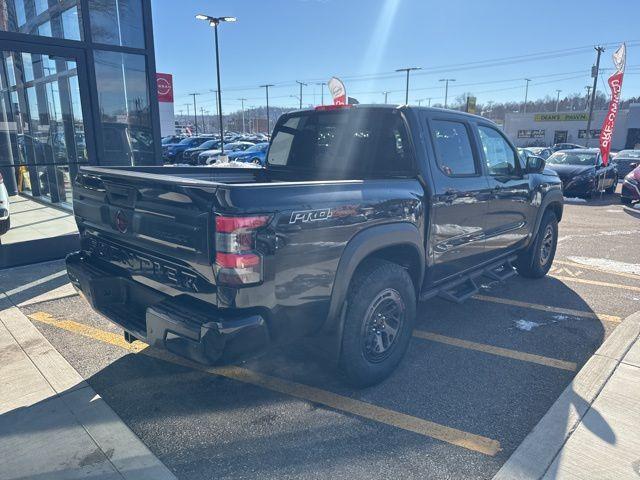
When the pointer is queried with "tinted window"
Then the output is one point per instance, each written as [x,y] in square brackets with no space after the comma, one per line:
[500,157]
[41,17]
[358,143]
[453,148]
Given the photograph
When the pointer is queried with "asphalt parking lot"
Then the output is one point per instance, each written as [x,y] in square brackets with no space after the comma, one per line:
[476,379]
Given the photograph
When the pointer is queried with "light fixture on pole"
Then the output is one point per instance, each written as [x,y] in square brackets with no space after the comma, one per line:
[408,69]
[214,22]
[266,87]
[446,88]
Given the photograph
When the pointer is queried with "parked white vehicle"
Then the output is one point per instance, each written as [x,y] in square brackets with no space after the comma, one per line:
[5,220]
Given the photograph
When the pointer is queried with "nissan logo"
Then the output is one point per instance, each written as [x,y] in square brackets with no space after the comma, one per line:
[122,224]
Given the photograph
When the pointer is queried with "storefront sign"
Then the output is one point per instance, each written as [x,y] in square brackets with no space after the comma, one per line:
[561,117]
[594,133]
[531,133]
[615,84]
[164,82]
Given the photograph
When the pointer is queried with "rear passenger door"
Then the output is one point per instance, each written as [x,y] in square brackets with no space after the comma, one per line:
[509,209]
[459,200]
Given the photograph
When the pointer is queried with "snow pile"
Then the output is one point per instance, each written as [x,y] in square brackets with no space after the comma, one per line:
[607,264]
[234,164]
[526,325]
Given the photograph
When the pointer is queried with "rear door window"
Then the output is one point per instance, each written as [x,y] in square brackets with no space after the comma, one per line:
[454,154]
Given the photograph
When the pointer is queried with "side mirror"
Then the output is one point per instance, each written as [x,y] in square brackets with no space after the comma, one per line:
[633,164]
[535,164]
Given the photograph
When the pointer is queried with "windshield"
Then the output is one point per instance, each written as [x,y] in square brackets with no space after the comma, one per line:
[257,148]
[629,153]
[209,144]
[186,141]
[573,158]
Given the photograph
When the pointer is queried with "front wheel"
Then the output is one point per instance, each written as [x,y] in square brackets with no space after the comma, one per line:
[536,261]
[381,310]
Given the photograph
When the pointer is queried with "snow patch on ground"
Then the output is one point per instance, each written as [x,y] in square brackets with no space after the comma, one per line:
[606,264]
[525,325]
[575,200]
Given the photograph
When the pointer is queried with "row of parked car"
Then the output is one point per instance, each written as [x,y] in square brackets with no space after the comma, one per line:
[583,173]
[207,149]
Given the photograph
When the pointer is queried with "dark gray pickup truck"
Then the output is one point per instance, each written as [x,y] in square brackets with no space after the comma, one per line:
[361,212]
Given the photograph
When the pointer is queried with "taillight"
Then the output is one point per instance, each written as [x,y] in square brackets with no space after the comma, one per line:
[237,261]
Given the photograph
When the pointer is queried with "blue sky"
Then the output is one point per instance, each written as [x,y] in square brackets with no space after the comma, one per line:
[280,41]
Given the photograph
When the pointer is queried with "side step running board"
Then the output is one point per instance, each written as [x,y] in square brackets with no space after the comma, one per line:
[465,286]
[460,292]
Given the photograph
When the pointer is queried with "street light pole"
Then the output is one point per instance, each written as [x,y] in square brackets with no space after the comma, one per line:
[301,84]
[446,88]
[266,87]
[526,94]
[214,22]
[408,69]
[242,100]
[558,99]
[594,74]
[385,96]
[321,92]
[195,110]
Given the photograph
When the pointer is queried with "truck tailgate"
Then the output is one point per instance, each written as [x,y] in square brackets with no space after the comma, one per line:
[157,231]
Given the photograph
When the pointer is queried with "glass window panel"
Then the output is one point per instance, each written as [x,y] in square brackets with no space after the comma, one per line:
[27,66]
[52,20]
[500,157]
[11,72]
[124,108]
[117,22]
[41,6]
[453,147]
[71,24]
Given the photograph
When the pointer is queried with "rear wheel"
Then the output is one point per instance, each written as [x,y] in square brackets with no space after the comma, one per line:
[381,309]
[536,261]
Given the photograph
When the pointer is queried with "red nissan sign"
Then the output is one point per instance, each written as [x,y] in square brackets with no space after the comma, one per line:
[164,81]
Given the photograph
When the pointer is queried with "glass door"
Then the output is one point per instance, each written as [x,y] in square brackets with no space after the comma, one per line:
[42,125]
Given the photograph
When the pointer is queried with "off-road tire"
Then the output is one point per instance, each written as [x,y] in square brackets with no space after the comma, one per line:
[374,282]
[536,261]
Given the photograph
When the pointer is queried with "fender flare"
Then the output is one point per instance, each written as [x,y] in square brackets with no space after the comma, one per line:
[553,196]
[362,245]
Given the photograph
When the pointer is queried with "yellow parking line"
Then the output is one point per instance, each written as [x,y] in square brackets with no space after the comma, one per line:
[595,282]
[547,308]
[502,352]
[598,269]
[307,393]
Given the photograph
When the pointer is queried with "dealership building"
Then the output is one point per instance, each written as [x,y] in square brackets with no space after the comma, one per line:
[77,87]
[544,129]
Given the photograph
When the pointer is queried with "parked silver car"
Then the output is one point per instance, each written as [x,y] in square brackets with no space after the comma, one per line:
[5,220]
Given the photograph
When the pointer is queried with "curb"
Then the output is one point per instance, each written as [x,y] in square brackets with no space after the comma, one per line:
[539,449]
[124,450]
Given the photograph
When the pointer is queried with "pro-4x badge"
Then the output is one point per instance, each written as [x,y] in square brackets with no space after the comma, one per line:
[310,216]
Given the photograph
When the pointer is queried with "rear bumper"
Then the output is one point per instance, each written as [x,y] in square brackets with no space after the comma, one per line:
[174,324]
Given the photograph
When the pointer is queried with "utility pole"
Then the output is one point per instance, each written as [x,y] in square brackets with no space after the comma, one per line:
[446,88]
[526,94]
[557,99]
[429,100]
[204,130]
[242,100]
[594,74]
[406,93]
[588,88]
[321,92]
[266,87]
[301,84]
[385,96]
[195,110]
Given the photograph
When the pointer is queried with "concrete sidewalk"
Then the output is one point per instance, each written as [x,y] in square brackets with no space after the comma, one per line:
[53,425]
[593,430]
